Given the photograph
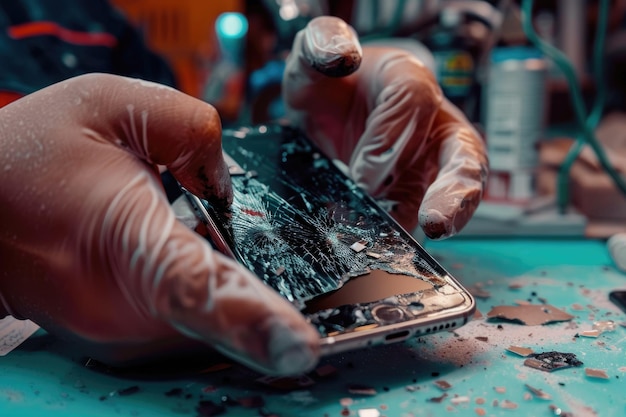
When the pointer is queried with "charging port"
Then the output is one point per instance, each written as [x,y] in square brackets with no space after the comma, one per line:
[396,337]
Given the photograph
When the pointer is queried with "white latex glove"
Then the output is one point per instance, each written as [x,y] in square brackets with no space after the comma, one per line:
[90,249]
[389,122]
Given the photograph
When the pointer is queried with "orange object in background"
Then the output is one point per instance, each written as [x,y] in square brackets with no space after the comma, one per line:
[183,32]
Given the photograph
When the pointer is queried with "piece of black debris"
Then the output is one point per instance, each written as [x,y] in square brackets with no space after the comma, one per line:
[552,361]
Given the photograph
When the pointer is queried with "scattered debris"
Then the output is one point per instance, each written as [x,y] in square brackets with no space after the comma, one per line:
[599,327]
[515,285]
[552,361]
[482,338]
[358,246]
[279,271]
[361,390]
[374,255]
[438,399]
[411,388]
[578,307]
[557,411]
[531,315]
[369,412]
[604,326]
[521,351]
[508,404]
[346,402]
[596,373]
[522,302]
[623,323]
[590,333]
[443,385]
[460,399]
[538,393]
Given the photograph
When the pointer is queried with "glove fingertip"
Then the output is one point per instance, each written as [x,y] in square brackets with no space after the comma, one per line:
[441,218]
[332,47]
[292,351]
[435,224]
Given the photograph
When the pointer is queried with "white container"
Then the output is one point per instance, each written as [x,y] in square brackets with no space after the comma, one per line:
[514,107]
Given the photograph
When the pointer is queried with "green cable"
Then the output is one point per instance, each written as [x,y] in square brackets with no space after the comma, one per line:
[566,67]
[596,112]
[598,64]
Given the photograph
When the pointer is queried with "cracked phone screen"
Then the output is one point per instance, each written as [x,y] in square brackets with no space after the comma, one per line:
[319,240]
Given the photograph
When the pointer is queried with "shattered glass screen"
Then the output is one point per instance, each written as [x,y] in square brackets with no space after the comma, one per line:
[314,236]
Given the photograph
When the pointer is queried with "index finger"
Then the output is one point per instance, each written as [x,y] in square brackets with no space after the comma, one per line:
[158,124]
[453,197]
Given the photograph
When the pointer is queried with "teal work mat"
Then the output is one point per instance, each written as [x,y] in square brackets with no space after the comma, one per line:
[467,372]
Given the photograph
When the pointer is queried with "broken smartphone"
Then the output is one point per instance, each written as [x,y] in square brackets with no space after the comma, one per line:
[320,241]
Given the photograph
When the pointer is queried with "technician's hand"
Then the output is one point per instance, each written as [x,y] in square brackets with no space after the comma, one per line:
[389,122]
[90,249]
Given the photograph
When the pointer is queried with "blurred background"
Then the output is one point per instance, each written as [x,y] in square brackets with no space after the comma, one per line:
[542,81]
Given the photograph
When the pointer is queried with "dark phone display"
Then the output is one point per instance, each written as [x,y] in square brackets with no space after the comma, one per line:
[314,236]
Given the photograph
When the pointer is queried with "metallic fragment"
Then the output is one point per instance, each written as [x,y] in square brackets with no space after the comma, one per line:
[460,399]
[530,315]
[538,393]
[604,326]
[443,385]
[521,351]
[596,373]
[509,405]
[438,399]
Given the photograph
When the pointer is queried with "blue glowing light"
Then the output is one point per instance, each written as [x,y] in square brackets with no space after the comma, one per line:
[231,25]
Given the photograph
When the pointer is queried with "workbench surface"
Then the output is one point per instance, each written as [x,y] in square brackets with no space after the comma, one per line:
[44,377]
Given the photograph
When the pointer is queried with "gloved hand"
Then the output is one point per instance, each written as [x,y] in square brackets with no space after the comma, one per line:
[91,250]
[388,121]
